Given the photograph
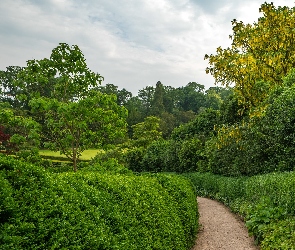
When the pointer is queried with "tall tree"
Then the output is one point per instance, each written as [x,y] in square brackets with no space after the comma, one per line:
[144,133]
[192,97]
[146,96]
[73,127]
[24,132]
[64,76]
[123,96]
[157,106]
[260,55]
[8,88]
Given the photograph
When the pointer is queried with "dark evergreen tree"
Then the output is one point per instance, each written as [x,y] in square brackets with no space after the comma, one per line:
[157,107]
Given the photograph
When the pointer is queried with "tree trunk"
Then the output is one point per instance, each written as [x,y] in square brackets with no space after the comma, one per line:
[75,160]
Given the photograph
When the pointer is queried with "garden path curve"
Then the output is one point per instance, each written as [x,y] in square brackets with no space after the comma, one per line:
[220,229]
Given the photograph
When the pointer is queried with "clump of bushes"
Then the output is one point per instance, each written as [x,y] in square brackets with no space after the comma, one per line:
[166,156]
[266,202]
[94,209]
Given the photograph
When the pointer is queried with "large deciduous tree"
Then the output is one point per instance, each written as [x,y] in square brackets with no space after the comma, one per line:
[144,133]
[8,89]
[64,76]
[123,96]
[62,94]
[73,127]
[191,97]
[260,54]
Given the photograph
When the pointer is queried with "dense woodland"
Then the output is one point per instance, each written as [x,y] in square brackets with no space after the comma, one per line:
[235,142]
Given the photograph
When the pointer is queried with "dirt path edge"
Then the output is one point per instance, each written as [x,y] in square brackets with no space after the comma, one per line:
[220,228]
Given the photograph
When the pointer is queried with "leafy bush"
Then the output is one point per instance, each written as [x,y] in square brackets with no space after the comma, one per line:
[133,159]
[262,143]
[172,156]
[108,166]
[184,200]
[190,154]
[279,235]
[260,216]
[93,210]
[202,126]
[104,155]
[156,157]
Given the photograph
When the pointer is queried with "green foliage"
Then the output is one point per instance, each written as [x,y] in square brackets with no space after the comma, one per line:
[123,96]
[93,210]
[133,158]
[257,144]
[192,97]
[9,90]
[261,216]
[166,156]
[110,165]
[202,126]
[157,105]
[259,51]
[184,200]
[279,235]
[156,157]
[146,132]
[76,126]
[23,131]
[230,111]
[174,106]
[64,76]
[278,127]
[190,154]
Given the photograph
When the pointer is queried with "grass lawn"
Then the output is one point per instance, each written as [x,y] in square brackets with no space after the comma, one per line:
[86,155]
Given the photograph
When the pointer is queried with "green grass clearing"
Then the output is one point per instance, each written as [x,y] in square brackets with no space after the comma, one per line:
[86,155]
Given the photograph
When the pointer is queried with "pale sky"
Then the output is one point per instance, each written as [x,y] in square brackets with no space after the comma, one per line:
[132,43]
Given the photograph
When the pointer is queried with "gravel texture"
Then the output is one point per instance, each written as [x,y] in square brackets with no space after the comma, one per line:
[221,229]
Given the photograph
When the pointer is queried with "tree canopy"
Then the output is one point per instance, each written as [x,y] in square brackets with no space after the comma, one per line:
[261,54]
[64,76]
[76,126]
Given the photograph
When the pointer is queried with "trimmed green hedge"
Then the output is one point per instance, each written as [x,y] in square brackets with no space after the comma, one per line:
[94,210]
[267,203]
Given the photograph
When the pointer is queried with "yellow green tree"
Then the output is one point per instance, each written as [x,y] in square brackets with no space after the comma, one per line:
[261,54]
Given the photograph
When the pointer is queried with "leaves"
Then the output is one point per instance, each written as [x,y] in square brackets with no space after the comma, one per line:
[263,51]
[64,76]
[76,126]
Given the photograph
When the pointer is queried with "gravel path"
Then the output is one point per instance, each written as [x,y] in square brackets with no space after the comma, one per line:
[221,229]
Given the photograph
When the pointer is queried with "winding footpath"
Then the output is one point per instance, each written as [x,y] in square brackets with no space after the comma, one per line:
[221,229]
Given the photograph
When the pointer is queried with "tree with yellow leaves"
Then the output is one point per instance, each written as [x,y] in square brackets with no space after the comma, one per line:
[261,54]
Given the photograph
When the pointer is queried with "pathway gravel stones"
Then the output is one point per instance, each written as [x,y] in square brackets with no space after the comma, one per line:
[221,229]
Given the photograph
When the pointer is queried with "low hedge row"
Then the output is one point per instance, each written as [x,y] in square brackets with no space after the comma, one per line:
[267,203]
[93,209]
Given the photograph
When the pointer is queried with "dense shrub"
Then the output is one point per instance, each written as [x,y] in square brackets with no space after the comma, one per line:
[170,156]
[202,126]
[265,201]
[93,209]
[161,156]
[184,200]
[190,154]
[133,159]
[154,157]
[262,143]
[278,126]
[104,155]
[107,166]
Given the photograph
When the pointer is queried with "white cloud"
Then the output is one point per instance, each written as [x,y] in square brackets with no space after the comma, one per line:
[132,43]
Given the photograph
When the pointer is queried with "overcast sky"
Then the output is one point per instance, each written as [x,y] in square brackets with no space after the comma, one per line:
[132,43]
